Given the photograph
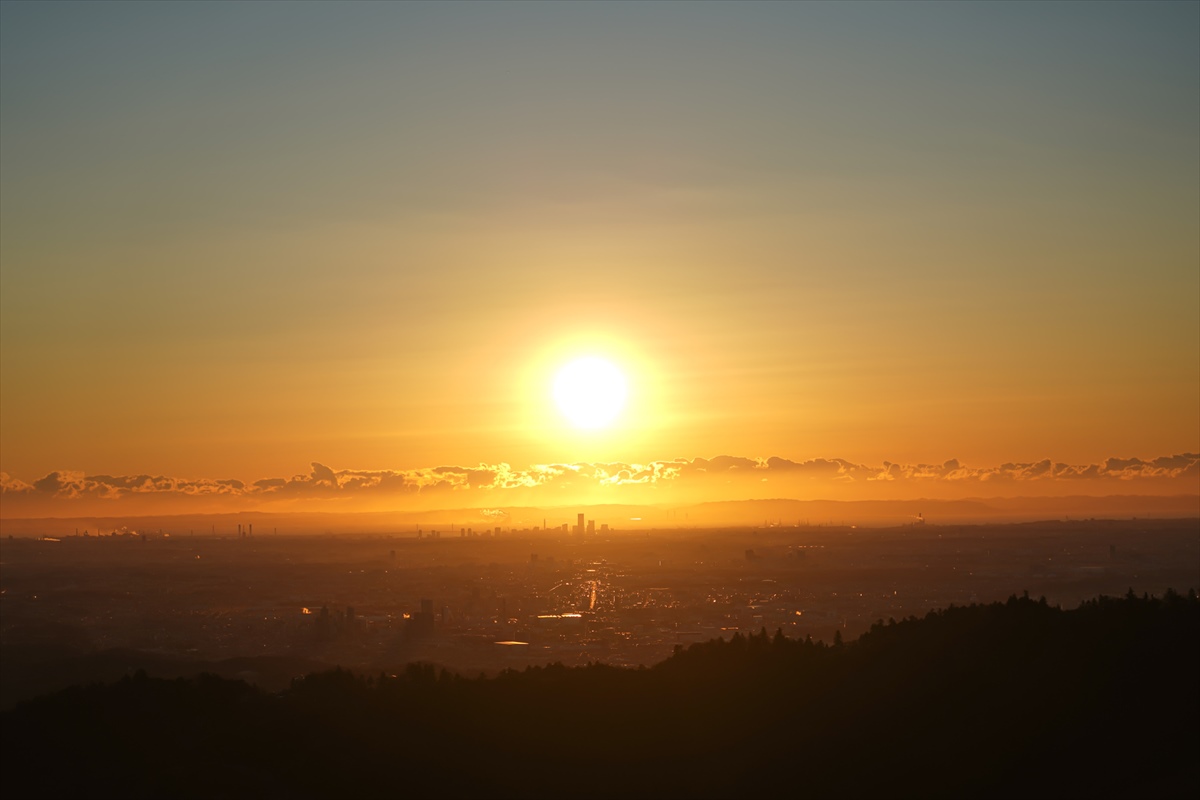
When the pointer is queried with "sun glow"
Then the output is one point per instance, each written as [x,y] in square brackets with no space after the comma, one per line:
[590,392]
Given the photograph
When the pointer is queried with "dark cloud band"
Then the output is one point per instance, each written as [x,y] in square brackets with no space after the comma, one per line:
[498,481]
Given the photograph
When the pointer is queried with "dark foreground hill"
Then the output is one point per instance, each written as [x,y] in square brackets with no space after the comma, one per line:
[1016,699]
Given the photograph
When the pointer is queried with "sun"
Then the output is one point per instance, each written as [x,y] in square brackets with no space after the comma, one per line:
[590,392]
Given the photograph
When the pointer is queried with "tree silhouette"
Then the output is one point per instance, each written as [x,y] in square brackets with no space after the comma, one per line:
[1009,696]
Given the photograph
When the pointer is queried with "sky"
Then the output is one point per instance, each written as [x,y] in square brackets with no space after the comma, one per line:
[244,245]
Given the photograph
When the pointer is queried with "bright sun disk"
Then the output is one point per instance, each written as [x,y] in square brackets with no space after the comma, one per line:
[590,392]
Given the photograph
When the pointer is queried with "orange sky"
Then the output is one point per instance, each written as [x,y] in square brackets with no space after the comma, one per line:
[240,239]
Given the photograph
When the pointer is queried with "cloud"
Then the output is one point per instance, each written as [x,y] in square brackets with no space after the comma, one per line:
[52,483]
[64,485]
[13,486]
[501,483]
[836,469]
[323,474]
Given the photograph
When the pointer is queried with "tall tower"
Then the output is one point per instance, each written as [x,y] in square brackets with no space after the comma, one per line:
[579,526]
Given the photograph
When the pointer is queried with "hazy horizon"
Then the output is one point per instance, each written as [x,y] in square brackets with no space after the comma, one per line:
[677,482]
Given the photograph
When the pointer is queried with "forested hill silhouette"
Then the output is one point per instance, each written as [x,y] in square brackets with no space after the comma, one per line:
[1009,699]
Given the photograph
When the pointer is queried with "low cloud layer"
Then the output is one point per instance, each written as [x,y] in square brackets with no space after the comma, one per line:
[677,480]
